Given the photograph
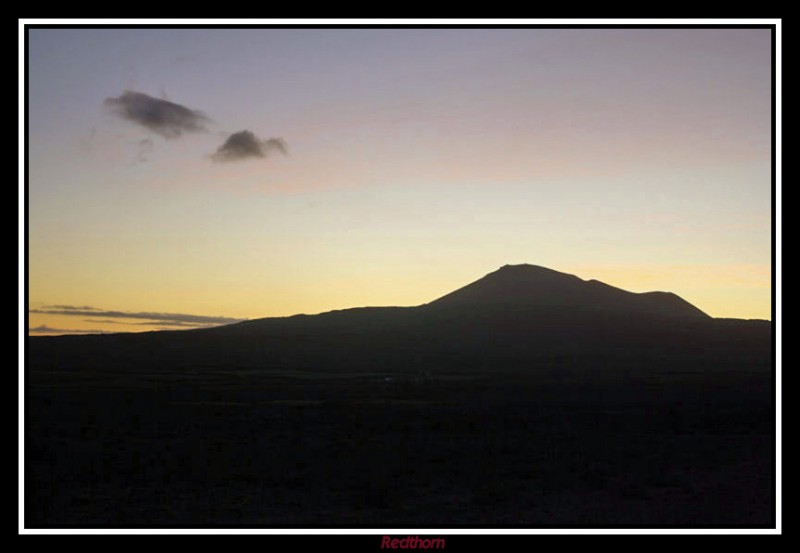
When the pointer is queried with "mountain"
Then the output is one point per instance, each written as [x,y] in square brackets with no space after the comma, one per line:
[518,318]
[531,286]
[539,294]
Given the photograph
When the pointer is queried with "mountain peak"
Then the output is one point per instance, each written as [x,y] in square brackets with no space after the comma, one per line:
[526,271]
[513,284]
[526,268]
[536,287]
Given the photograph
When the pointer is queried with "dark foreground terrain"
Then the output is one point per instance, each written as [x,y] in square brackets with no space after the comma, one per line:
[305,450]
[533,416]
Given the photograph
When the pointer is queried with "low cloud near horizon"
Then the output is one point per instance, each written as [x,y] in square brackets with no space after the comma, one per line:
[162,324]
[152,318]
[162,117]
[44,329]
[245,145]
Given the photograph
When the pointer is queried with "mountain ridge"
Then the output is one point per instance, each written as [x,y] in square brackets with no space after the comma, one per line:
[536,286]
[518,318]
[510,289]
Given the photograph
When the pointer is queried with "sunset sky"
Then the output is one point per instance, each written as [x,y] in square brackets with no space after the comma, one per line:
[389,167]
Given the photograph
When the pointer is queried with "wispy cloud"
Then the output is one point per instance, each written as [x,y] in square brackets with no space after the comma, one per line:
[160,324]
[245,144]
[44,329]
[153,318]
[162,117]
[145,147]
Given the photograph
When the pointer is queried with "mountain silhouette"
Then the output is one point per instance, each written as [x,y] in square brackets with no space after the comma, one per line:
[520,317]
[530,286]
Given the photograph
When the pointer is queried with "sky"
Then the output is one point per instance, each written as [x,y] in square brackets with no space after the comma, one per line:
[180,178]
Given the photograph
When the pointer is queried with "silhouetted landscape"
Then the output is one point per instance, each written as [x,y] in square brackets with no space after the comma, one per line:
[529,398]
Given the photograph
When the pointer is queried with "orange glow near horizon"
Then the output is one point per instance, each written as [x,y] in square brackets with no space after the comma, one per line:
[709,288]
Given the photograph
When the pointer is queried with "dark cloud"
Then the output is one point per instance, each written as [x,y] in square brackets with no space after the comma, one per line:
[163,117]
[245,144]
[158,319]
[44,329]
